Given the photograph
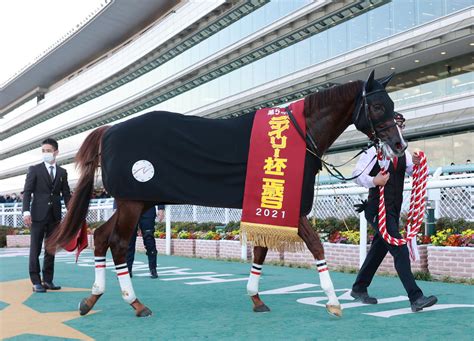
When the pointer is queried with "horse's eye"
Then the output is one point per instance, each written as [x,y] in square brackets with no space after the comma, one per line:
[378,108]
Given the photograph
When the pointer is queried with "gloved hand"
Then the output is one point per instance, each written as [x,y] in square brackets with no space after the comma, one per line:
[361,207]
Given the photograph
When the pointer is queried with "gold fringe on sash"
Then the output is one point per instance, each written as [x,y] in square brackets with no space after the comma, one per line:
[280,238]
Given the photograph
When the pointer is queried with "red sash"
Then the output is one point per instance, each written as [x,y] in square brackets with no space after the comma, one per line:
[274,180]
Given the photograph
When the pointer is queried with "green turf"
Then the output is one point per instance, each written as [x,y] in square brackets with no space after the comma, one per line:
[222,311]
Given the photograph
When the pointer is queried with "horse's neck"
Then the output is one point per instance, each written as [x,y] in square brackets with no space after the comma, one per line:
[330,121]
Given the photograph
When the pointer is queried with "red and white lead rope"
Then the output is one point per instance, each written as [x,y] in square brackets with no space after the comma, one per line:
[417,203]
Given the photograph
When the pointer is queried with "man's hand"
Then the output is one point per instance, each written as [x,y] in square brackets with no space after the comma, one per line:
[27,220]
[381,179]
[416,158]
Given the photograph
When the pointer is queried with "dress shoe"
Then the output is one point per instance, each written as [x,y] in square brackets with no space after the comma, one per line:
[51,286]
[38,288]
[423,302]
[153,273]
[363,297]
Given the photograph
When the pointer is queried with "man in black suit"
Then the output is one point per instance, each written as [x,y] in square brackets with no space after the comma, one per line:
[47,182]
[371,177]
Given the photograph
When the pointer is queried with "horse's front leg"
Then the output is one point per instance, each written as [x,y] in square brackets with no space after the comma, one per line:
[313,242]
[128,213]
[259,254]
[101,244]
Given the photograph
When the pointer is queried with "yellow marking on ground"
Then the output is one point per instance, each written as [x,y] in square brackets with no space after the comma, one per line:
[17,318]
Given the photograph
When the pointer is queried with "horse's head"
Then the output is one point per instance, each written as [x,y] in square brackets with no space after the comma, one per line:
[374,115]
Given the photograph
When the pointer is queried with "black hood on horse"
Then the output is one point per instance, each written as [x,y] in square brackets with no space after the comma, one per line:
[194,160]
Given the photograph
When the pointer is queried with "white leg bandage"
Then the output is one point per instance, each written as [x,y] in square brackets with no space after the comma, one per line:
[326,283]
[99,285]
[125,281]
[254,279]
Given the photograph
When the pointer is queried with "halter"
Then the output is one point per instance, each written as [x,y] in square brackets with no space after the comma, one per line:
[362,122]
[356,116]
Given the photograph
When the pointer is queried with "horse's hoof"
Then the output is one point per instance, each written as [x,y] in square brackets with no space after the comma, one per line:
[84,308]
[334,310]
[145,312]
[261,309]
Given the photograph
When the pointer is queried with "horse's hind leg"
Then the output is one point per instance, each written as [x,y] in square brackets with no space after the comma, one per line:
[259,254]
[311,238]
[101,244]
[128,213]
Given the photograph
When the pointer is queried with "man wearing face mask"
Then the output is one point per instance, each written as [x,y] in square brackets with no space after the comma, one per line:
[47,182]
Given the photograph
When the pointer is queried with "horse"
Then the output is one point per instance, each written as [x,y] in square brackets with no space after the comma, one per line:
[327,113]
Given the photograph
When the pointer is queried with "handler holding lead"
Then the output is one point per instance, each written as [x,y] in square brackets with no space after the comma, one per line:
[393,181]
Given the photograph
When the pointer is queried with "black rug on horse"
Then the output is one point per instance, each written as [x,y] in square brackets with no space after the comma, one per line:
[195,160]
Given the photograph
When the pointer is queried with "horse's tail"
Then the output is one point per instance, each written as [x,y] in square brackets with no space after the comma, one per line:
[87,161]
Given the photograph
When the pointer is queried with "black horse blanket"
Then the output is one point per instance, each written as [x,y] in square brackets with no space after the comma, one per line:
[172,158]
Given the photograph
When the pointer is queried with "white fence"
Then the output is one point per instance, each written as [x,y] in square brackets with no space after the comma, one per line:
[451,196]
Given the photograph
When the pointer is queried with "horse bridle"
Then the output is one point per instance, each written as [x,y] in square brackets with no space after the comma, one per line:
[356,116]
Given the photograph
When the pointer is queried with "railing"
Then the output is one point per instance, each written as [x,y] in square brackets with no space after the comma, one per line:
[451,196]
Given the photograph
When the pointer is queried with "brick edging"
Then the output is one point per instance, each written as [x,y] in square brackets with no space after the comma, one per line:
[439,261]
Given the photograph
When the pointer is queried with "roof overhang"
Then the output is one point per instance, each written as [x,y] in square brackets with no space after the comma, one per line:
[114,23]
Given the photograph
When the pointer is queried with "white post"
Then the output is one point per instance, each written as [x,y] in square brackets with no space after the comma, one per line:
[363,239]
[363,235]
[168,229]
[243,251]
[226,215]
[2,207]
[15,222]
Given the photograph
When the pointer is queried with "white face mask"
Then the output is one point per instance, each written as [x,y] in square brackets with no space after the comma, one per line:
[48,157]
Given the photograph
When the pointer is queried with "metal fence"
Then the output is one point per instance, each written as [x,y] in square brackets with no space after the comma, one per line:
[451,196]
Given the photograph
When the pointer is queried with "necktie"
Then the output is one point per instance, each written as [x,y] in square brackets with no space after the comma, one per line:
[395,161]
[51,174]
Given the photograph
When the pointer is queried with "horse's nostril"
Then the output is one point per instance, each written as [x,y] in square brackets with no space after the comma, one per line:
[398,146]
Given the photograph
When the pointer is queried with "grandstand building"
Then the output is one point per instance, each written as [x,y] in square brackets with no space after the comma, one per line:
[218,59]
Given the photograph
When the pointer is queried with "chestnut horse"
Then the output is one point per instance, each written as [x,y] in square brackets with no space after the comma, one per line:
[327,113]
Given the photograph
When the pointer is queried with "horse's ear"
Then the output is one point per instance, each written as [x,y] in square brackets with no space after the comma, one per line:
[386,80]
[369,82]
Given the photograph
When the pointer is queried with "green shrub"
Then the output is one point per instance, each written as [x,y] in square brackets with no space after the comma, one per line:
[457,225]
[3,235]
[94,225]
[422,276]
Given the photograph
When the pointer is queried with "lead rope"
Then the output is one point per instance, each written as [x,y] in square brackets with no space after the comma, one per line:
[417,203]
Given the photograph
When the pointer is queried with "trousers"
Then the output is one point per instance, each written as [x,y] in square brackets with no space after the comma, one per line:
[376,254]
[41,230]
[147,227]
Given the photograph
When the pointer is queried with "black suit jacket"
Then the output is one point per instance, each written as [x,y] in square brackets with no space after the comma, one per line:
[46,193]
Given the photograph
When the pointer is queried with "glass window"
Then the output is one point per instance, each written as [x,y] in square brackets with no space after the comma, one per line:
[380,23]
[302,54]
[444,150]
[358,32]
[338,39]
[429,10]
[404,15]
[456,5]
[319,47]
[439,151]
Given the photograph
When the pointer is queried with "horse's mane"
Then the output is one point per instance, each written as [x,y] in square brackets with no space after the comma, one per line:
[314,102]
